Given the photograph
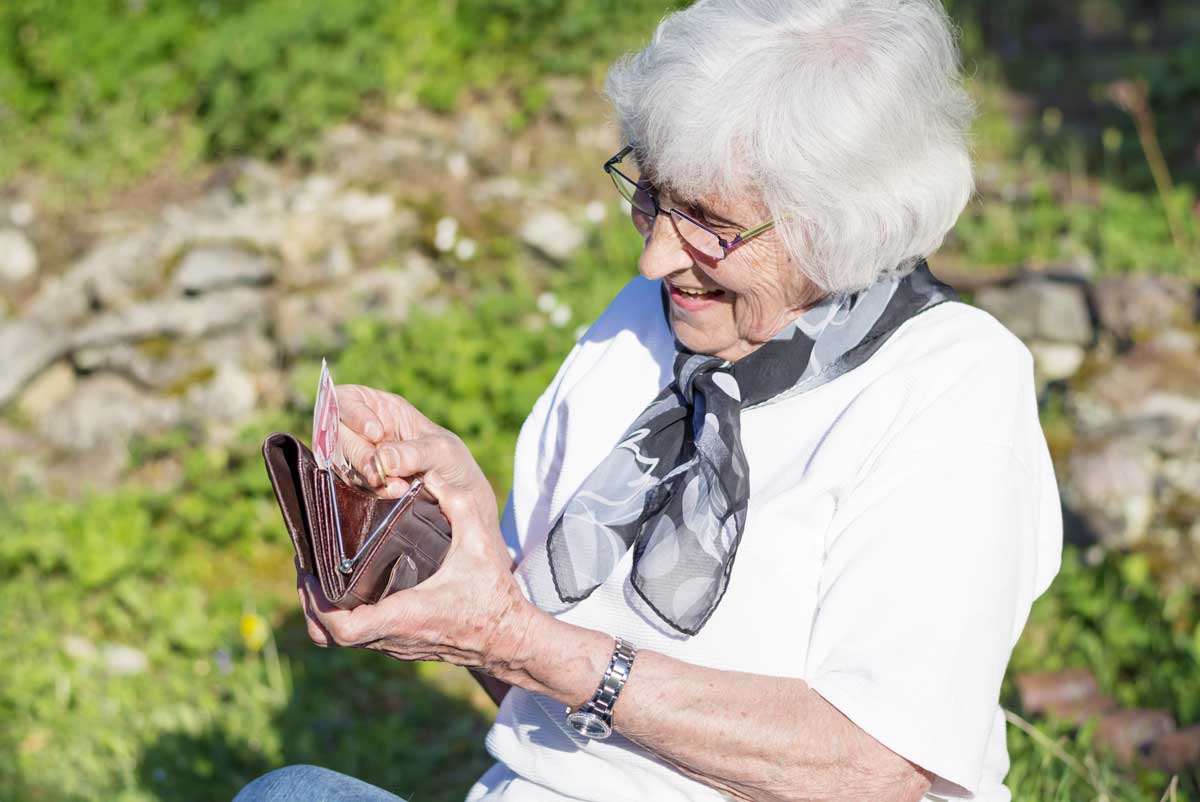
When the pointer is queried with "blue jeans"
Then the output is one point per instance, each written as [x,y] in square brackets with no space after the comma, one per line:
[311,784]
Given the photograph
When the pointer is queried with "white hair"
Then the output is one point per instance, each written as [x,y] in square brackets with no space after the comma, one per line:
[847,118]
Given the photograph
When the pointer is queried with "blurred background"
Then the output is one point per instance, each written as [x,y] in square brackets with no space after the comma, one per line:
[201,198]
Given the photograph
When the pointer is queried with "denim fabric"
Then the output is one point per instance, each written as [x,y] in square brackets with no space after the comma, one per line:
[311,784]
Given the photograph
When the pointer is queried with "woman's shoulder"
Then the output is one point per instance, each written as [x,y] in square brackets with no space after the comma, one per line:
[956,332]
[955,370]
[955,345]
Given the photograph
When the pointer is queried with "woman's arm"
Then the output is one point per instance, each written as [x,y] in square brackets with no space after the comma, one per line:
[750,736]
[747,735]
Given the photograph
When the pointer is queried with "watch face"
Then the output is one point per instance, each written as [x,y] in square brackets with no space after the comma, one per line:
[589,724]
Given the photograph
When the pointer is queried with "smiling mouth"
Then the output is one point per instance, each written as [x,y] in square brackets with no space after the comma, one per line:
[696,292]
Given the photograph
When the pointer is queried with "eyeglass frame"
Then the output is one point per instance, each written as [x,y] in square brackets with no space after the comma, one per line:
[727,246]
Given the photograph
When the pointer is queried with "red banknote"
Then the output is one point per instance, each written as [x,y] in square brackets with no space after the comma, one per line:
[325,420]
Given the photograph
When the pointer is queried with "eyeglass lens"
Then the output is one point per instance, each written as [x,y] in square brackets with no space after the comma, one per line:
[643,211]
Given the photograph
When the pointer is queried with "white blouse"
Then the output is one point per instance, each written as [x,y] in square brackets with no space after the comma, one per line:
[902,519]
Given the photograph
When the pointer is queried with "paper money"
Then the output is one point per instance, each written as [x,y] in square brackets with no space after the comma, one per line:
[325,420]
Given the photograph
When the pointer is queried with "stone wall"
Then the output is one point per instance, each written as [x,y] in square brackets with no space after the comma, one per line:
[190,315]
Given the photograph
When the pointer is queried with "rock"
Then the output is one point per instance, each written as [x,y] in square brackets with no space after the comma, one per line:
[26,348]
[123,660]
[310,323]
[107,409]
[314,194]
[1036,308]
[458,166]
[388,294]
[81,650]
[502,189]
[1132,306]
[1175,752]
[1056,361]
[565,96]
[214,267]
[187,318]
[314,256]
[1150,392]
[22,214]
[1126,733]
[1040,691]
[172,367]
[360,155]
[60,301]
[45,393]
[375,239]
[229,397]
[356,208]
[1110,483]
[553,234]
[18,259]
[477,133]
[118,272]
[303,323]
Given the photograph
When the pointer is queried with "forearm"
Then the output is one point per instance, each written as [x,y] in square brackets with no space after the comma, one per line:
[751,736]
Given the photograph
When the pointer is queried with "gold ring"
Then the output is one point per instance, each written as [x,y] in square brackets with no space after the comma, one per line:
[379,468]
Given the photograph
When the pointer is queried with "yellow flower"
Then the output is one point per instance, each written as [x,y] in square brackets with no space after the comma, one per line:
[1052,120]
[255,631]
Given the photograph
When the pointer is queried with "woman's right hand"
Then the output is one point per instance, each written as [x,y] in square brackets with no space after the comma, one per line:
[374,426]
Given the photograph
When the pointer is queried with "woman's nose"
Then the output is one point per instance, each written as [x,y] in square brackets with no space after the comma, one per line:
[665,252]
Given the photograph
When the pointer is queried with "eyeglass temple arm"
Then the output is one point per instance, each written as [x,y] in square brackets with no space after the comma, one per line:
[616,159]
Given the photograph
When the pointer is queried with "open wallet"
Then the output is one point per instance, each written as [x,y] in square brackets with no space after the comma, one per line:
[359,546]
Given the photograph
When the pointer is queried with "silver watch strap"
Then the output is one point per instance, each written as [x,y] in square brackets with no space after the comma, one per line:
[605,698]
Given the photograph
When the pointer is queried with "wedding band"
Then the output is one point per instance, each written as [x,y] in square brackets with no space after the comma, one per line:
[379,468]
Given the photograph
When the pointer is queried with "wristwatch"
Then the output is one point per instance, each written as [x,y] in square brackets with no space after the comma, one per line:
[593,719]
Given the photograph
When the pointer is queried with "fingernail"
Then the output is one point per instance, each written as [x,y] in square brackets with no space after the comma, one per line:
[373,431]
[391,459]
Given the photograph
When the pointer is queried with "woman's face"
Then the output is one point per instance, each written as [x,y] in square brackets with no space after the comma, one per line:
[748,297]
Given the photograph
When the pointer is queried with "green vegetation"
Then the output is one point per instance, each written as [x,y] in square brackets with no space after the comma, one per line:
[99,92]
[152,647]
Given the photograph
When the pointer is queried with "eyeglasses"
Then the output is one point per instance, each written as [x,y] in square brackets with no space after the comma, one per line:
[645,208]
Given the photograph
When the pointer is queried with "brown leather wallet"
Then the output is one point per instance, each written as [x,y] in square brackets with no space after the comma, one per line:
[360,547]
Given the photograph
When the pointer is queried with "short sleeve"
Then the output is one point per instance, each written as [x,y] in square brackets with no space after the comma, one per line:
[932,561]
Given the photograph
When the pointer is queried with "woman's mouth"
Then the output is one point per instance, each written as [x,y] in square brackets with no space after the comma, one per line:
[693,298]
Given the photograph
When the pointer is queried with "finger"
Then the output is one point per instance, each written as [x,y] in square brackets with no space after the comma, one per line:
[360,453]
[395,488]
[357,412]
[316,630]
[345,627]
[398,417]
[438,454]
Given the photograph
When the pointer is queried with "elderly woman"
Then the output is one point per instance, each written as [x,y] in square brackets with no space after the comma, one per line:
[780,517]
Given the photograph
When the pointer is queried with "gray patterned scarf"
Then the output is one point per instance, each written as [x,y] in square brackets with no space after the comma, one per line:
[676,487]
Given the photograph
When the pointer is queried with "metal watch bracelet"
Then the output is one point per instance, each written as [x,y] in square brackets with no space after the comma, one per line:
[593,719]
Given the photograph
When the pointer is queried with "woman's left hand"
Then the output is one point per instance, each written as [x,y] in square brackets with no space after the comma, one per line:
[470,612]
